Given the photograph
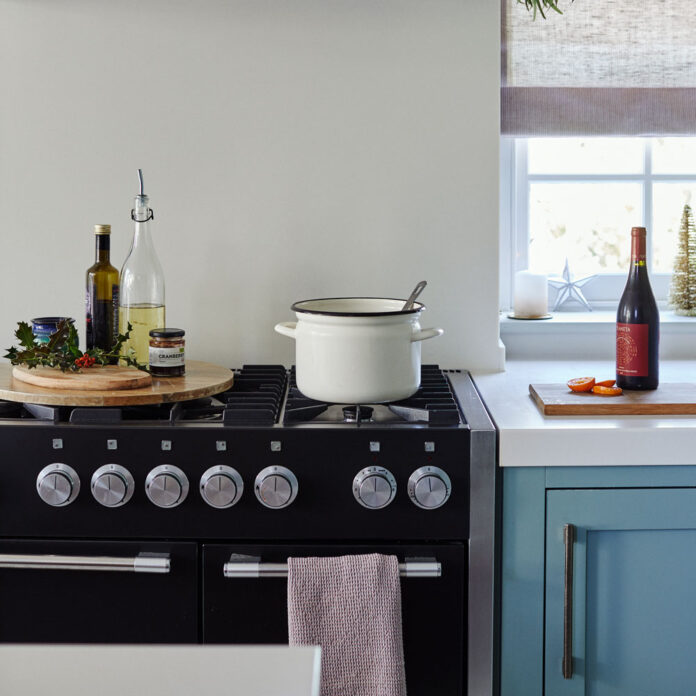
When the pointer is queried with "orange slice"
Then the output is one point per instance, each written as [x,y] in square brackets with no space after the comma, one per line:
[581,384]
[607,391]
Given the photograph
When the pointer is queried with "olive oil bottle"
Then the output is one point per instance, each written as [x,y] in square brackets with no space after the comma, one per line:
[142,282]
[102,294]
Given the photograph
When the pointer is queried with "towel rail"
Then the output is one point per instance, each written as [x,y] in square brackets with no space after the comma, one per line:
[143,563]
[256,569]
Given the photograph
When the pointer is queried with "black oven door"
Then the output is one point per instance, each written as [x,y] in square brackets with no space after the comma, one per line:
[98,592]
[254,610]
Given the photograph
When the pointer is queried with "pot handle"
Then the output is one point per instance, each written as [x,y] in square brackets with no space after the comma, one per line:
[287,328]
[425,333]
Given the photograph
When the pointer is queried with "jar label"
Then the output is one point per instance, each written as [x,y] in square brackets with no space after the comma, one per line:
[166,357]
[632,349]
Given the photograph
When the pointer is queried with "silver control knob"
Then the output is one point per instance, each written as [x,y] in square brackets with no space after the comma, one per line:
[374,487]
[221,486]
[276,487]
[166,486]
[112,485]
[429,487]
[58,484]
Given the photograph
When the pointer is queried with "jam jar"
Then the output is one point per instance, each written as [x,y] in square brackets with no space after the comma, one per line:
[167,357]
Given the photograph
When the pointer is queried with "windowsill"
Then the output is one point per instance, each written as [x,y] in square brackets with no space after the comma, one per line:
[589,335]
[599,321]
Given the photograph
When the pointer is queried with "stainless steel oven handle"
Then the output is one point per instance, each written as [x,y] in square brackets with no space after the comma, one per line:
[142,563]
[237,569]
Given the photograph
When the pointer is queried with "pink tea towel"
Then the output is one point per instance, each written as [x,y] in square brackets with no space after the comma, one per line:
[351,607]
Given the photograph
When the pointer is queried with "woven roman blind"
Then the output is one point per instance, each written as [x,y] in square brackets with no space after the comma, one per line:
[604,67]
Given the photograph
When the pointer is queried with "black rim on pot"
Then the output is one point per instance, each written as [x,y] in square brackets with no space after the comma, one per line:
[296,307]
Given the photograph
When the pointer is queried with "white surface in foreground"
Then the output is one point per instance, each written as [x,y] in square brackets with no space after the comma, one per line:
[527,438]
[106,670]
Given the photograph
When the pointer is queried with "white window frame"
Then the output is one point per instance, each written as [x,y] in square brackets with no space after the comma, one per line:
[604,291]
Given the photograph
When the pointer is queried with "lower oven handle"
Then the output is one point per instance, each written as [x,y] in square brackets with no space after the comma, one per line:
[243,569]
[142,563]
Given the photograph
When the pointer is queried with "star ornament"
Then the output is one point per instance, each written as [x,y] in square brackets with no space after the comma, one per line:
[569,288]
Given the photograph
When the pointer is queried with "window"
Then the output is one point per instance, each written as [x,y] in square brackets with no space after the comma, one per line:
[577,198]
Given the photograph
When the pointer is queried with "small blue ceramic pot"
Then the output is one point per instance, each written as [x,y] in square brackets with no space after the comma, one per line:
[43,327]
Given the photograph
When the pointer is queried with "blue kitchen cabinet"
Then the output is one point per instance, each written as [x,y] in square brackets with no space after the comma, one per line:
[631,582]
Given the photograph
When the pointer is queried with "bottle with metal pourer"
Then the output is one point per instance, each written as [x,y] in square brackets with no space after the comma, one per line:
[142,282]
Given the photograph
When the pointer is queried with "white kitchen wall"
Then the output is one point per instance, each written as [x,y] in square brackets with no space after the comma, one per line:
[291,149]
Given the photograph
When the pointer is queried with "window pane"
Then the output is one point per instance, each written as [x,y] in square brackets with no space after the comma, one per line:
[585,155]
[668,203]
[587,223]
[674,155]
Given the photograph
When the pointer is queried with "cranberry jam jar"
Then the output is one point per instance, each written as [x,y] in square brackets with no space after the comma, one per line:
[167,356]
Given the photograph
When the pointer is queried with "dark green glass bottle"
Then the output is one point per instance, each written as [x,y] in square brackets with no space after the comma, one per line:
[102,296]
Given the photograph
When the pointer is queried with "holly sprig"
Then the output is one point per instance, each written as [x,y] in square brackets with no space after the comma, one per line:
[62,350]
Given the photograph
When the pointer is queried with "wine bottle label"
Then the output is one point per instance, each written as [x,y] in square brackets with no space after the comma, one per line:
[632,349]
[166,357]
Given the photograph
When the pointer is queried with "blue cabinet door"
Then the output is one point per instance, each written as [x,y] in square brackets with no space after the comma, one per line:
[633,576]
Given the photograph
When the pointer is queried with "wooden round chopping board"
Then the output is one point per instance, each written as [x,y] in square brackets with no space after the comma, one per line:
[201,379]
[95,378]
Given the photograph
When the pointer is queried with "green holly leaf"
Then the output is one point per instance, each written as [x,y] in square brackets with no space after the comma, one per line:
[59,337]
[25,335]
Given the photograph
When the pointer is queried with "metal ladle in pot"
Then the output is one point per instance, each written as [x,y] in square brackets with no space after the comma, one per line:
[412,297]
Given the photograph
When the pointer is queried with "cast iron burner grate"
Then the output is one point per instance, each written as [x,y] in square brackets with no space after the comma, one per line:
[256,395]
[433,404]
[254,399]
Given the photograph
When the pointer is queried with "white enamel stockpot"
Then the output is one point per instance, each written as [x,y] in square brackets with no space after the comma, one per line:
[357,350]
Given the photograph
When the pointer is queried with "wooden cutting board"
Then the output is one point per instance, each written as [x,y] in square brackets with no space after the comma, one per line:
[671,399]
[201,379]
[95,378]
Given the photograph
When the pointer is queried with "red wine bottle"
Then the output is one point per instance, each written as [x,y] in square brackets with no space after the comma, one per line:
[637,324]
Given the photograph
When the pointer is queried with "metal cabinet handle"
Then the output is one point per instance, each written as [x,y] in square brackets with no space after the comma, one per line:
[569,541]
[256,569]
[142,563]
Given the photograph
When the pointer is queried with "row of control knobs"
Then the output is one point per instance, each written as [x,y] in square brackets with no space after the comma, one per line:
[221,486]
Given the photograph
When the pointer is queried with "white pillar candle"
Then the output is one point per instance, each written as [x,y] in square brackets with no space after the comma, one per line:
[531,294]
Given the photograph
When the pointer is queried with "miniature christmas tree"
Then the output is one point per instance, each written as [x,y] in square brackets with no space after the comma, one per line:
[682,295]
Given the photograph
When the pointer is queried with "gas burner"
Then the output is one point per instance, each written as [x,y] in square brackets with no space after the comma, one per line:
[358,414]
[433,404]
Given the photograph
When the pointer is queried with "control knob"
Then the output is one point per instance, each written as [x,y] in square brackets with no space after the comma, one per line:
[429,487]
[276,487]
[374,487]
[166,486]
[221,486]
[58,484]
[112,485]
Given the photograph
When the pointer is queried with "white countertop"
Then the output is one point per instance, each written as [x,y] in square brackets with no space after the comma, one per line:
[528,438]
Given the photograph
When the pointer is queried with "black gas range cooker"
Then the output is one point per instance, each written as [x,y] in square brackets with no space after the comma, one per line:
[174,523]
